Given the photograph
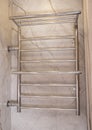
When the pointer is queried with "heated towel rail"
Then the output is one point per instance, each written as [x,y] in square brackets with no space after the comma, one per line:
[43,19]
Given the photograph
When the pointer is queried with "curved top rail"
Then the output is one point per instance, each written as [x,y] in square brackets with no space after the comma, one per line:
[36,19]
[45,15]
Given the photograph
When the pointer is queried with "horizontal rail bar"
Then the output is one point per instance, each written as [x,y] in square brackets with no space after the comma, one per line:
[52,85]
[44,72]
[45,49]
[56,42]
[50,19]
[54,18]
[45,15]
[14,48]
[27,95]
[46,60]
[46,21]
[13,103]
[23,106]
[30,24]
[48,38]
[40,21]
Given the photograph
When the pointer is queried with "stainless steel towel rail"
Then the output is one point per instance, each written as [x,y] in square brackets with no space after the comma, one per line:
[42,19]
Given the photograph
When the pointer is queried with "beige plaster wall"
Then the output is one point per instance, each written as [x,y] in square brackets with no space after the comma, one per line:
[88,57]
[5,117]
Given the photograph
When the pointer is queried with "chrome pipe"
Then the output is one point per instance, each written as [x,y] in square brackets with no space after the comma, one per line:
[29,106]
[15,48]
[48,38]
[77,69]
[12,103]
[51,85]
[46,61]
[26,95]
[30,24]
[46,15]
[44,72]
[46,49]
[19,76]
[12,48]
[38,20]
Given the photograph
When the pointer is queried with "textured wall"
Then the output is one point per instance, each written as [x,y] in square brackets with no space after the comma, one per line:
[40,119]
[5,117]
[88,56]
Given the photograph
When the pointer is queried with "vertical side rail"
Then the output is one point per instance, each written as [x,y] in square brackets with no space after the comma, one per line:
[77,69]
[19,76]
